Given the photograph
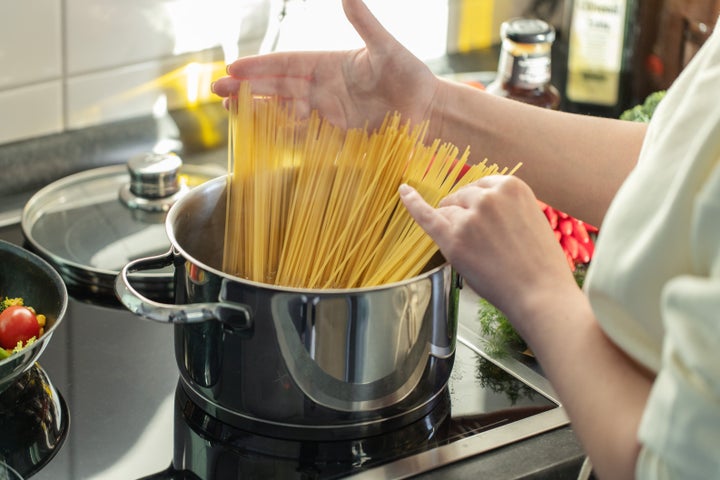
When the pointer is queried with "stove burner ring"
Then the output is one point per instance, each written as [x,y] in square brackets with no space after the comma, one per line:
[333,430]
[211,448]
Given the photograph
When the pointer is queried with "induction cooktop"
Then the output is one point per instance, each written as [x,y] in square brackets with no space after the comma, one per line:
[129,417]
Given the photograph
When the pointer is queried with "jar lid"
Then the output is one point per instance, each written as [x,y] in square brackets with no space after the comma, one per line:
[91,224]
[527,30]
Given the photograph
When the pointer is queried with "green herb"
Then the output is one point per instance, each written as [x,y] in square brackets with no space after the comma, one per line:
[496,330]
[644,111]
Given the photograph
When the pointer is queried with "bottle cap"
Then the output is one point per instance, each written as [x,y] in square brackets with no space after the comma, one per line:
[527,30]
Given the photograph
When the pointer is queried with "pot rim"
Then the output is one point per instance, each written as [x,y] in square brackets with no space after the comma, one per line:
[175,211]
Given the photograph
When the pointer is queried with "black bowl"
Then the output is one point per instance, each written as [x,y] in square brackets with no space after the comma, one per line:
[24,274]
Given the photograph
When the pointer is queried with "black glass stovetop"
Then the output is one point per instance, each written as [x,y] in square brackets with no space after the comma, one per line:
[124,414]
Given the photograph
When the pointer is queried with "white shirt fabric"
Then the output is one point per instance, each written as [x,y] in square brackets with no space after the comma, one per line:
[654,283]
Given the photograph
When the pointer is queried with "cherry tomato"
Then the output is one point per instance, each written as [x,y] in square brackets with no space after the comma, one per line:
[570,245]
[565,226]
[17,324]
[552,217]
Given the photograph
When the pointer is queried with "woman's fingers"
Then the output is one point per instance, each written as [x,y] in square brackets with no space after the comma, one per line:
[469,195]
[287,75]
[434,223]
[274,65]
[351,89]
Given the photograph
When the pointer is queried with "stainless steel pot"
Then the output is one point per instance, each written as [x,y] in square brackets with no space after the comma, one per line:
[293,362]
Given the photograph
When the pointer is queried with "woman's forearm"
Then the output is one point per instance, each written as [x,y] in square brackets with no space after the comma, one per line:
[592,376]
[576,163]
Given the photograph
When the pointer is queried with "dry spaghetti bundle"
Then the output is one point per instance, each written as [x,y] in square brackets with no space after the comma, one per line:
[312,206]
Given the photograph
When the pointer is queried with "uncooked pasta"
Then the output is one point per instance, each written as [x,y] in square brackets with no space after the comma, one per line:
[312,206]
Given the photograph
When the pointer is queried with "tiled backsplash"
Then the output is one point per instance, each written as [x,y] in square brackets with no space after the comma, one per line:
[70,64]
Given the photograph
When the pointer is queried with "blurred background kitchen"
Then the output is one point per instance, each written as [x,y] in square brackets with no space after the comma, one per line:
[69,65]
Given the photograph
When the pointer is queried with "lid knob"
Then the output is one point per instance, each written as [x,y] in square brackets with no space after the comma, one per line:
[154,175]
[154,181]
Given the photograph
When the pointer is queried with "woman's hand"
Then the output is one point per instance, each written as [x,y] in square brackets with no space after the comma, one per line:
[349,88]
[495,235]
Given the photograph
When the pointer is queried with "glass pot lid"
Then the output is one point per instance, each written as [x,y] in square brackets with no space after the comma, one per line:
[91,224]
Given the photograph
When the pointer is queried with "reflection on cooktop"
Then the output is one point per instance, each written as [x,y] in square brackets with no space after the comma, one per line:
[480,396]
[33,422]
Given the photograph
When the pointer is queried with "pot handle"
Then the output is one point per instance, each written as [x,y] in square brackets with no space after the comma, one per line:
[234,315]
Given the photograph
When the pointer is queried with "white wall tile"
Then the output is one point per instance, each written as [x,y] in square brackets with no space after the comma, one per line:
[67,64]
[30,41]
[135,90]
[30,111]
[105,34]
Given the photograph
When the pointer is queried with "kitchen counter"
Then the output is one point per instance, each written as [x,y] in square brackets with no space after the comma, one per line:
[29,165]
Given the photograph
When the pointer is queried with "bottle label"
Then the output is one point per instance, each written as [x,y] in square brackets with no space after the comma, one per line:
[597,34]
[525,71]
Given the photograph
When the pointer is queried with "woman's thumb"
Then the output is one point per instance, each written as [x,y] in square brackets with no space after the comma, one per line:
[367,25]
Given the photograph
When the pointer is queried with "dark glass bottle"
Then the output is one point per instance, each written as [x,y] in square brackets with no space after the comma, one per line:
[524,68]
[598,44]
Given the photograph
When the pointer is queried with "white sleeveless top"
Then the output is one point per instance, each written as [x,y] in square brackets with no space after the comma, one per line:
[654,283]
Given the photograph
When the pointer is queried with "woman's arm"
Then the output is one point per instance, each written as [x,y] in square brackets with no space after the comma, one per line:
[574,162]
[603,390]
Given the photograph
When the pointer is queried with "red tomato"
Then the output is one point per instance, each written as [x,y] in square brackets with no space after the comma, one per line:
[17,324]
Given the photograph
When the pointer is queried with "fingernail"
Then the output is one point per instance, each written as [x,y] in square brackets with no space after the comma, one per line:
[404,189]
